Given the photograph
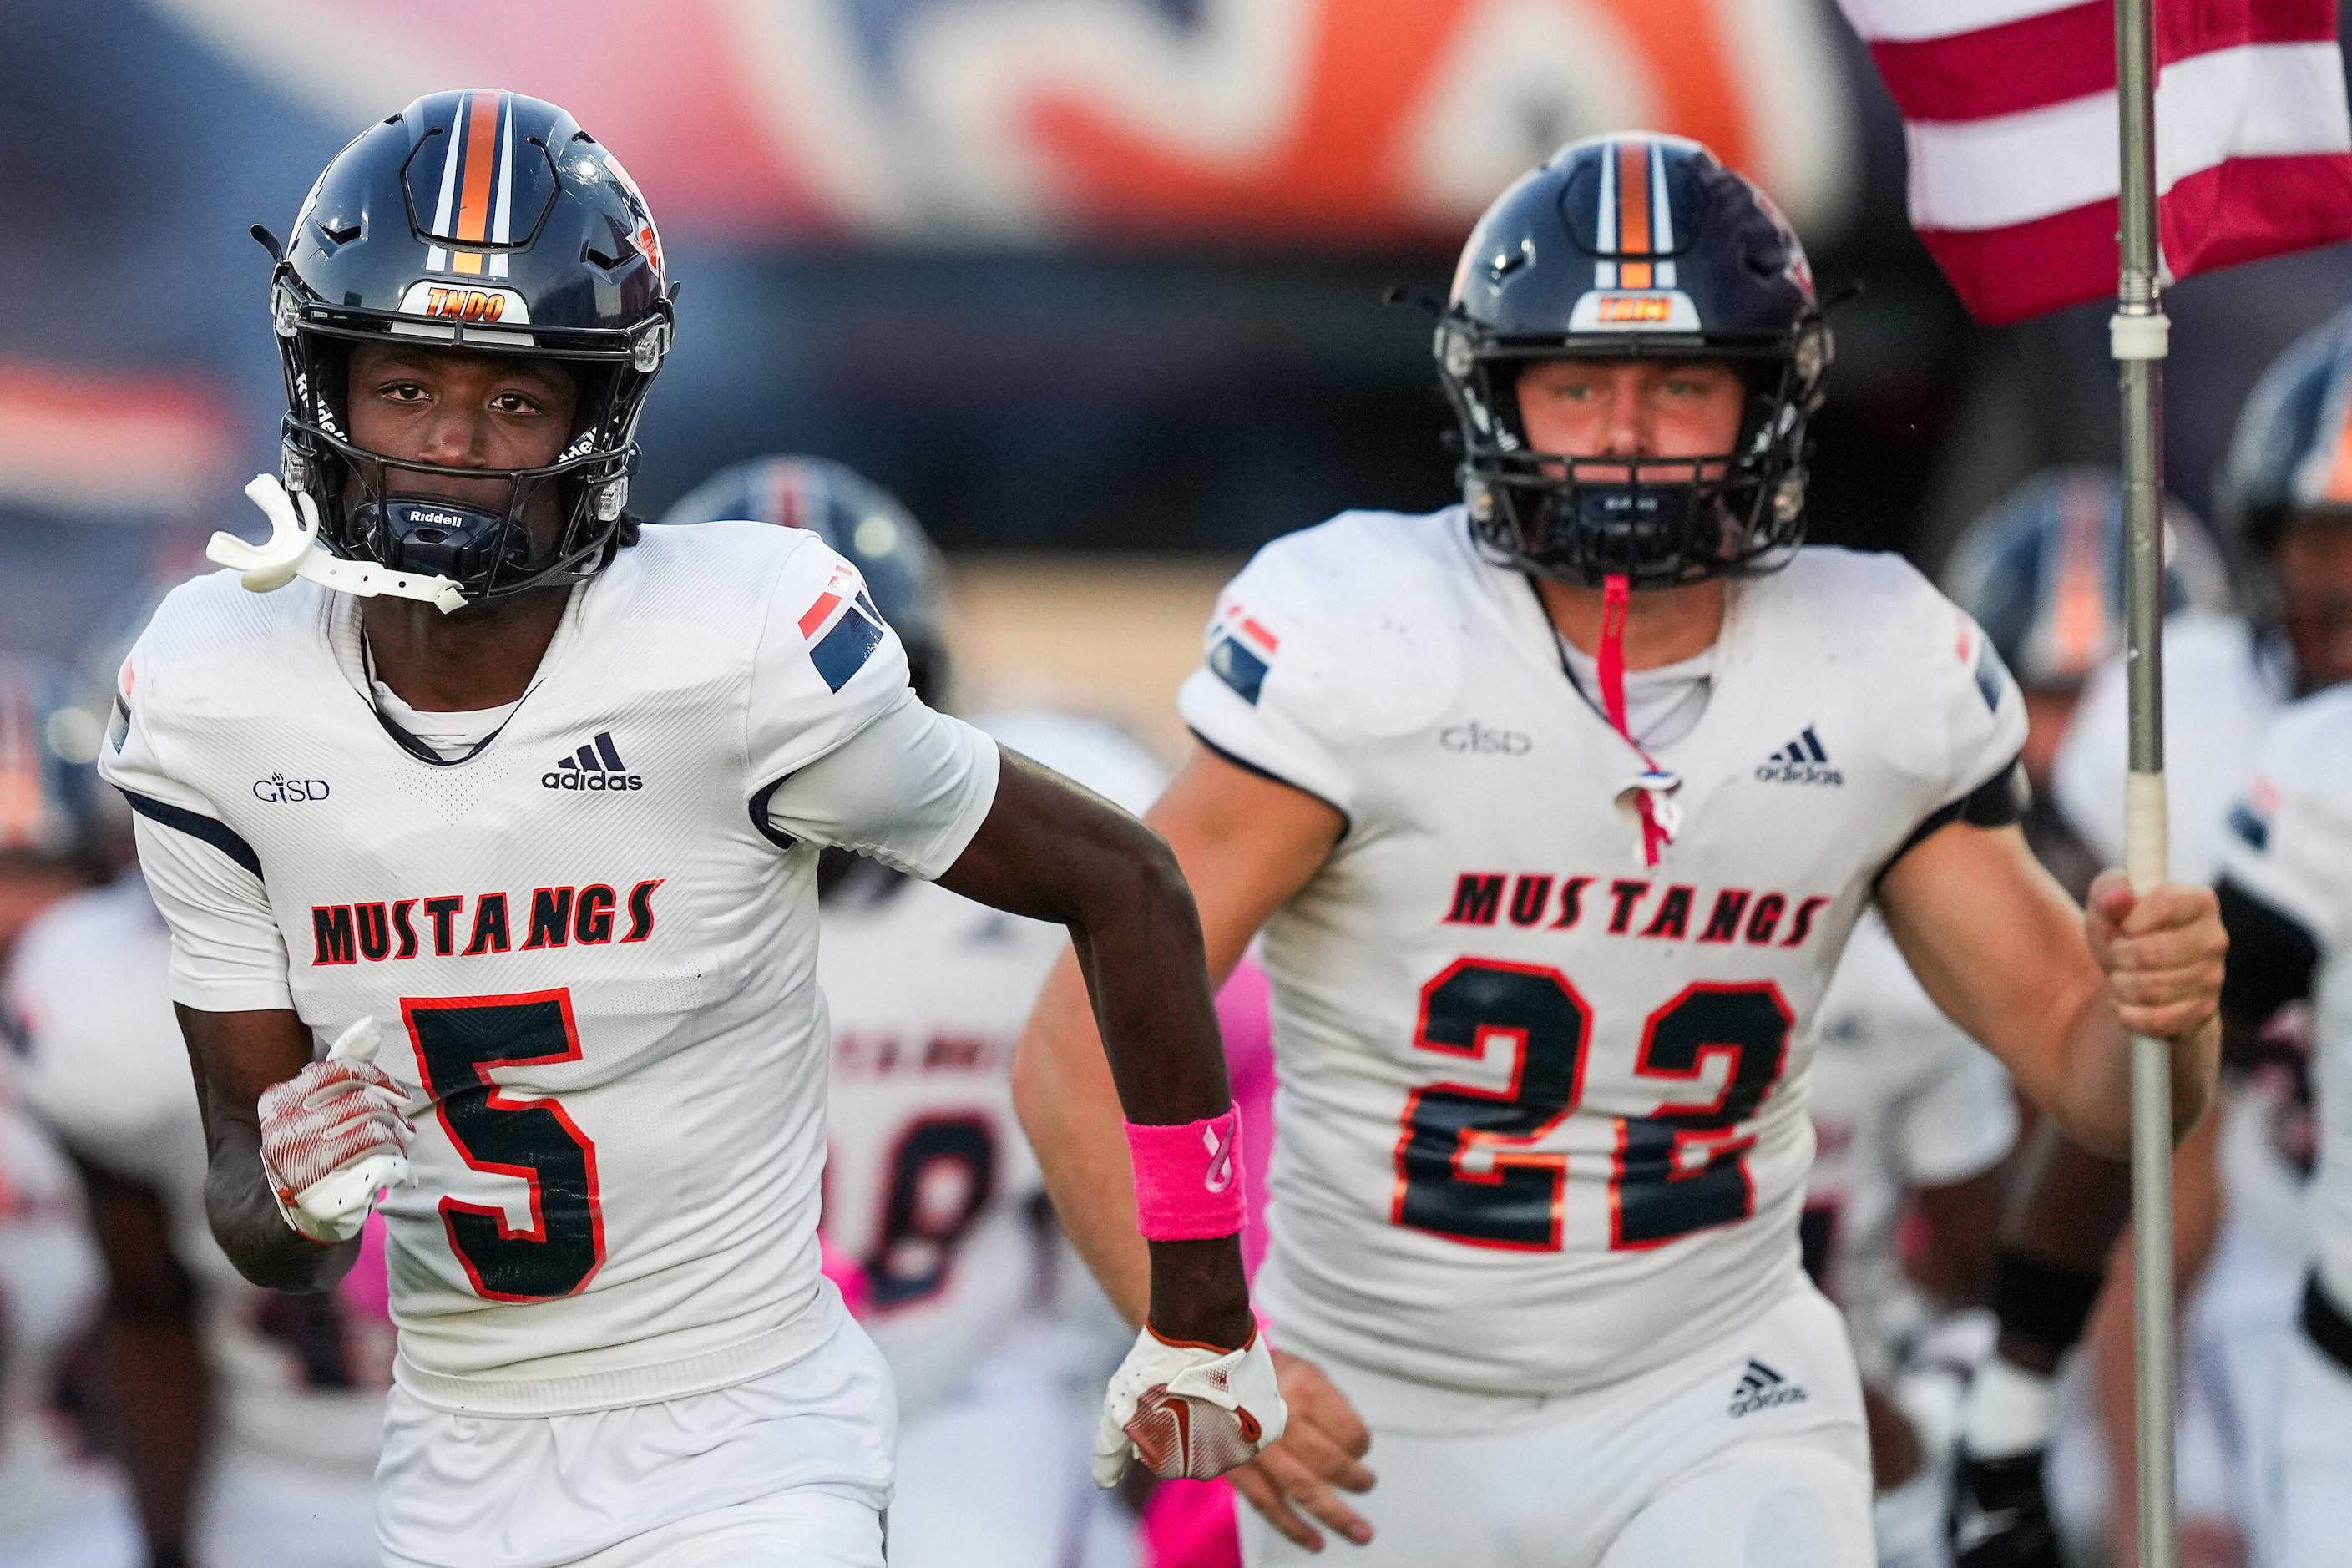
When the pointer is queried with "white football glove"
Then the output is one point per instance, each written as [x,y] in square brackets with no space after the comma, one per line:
[1188,1410]
[333,1136]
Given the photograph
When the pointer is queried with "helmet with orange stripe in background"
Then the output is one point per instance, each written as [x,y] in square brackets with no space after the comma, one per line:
[1634,246]
[2042,571]
[480,223]
[2284,501]
[863,522]
[47,792]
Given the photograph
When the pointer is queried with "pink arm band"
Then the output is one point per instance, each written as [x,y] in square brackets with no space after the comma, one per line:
[1188,1179]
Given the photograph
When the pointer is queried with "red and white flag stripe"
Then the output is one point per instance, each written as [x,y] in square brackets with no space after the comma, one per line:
[2009,115]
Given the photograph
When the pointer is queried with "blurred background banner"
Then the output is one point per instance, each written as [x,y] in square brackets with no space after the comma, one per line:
[1094,285]
[1043,122]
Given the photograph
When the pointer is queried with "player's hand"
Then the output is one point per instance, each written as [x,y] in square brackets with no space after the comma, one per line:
[1187,1409]
[1322,1450]
[2162,952]
[332,1117]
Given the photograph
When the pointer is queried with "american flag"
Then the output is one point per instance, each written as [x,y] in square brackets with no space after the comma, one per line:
[2010,118]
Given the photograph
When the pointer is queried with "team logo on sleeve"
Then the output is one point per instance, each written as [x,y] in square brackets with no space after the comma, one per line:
[2250,820]
[842,628]
[1241,651]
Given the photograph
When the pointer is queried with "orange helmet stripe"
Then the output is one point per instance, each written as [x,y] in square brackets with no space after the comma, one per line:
[481,162]
[1633,210]
[2339,468]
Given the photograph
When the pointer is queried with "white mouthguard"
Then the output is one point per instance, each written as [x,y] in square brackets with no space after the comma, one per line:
[293,550]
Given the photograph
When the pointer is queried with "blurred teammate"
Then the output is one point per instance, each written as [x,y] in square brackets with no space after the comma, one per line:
[929,1186]
[2039,573]
[541,797]
[247,1422]
[2225,675]
[57,1508]
[1546,938]
[1907,1112]
[2288,892]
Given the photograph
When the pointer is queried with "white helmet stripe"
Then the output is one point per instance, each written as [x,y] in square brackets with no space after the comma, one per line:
[1604,273]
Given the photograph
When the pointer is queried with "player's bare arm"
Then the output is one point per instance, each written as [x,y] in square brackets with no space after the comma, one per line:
[2054,992]
[1051,851]
[1245,844]
[236,1057]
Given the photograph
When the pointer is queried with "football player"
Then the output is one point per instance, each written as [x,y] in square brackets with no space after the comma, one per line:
[2287,875]
[929,1185]
[463,766]
[1902,1101]
[247,1421]
[2225,676]
[1907,1112]
[1557,809]
[56,1507]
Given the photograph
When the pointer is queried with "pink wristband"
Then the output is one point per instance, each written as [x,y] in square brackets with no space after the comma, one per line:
[1188,1179]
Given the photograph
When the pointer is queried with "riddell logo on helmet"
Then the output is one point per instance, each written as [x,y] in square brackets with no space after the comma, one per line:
[454,303]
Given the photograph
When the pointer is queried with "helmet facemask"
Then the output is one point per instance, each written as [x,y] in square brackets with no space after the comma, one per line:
[395,511]
[1655,522]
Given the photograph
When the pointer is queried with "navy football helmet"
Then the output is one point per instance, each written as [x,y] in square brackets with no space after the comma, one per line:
[862,521]
[2291,456]
[2043,573]
[490,221]
[1624,246]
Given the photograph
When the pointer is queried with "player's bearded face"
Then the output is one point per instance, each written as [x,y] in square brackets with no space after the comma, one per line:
[463,410]
[1586,409]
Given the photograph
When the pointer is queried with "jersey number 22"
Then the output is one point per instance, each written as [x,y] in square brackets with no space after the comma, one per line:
[1463,1167]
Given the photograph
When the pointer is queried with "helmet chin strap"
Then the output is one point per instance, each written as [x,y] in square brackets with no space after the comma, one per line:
[293,550]
[1653,803]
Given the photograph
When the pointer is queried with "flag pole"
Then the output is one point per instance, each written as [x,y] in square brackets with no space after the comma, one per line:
[2138,334]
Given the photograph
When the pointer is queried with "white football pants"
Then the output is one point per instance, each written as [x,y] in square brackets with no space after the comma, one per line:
[1752,1454]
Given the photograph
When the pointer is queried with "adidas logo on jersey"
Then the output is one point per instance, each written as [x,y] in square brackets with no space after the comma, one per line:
[596,765]
[1761,1388]
[1801,760]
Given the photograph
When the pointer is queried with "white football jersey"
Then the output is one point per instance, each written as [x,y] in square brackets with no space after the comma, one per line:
[2221,692]
[1542,1122]
[49,1290]
[592,943]
[2290,847]
[929,1181]
[1902,1098]
[296,1377]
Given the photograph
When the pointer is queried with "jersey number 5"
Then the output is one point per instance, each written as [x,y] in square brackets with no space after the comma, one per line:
[459,1039]
[1464,1169]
